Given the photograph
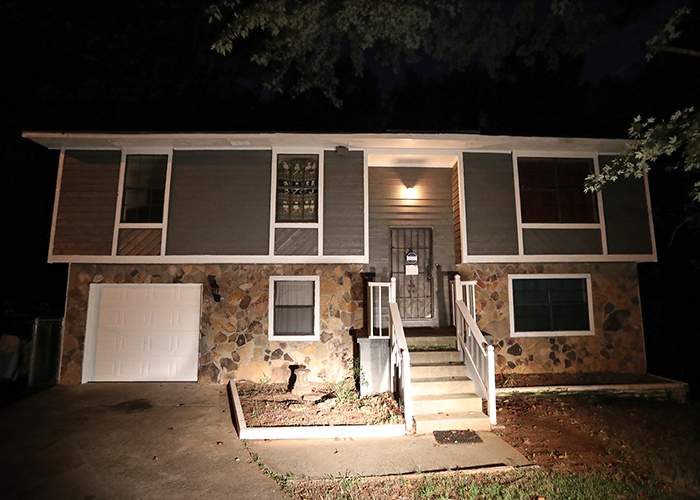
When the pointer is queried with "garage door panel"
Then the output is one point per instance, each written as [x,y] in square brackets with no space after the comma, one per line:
[148,333]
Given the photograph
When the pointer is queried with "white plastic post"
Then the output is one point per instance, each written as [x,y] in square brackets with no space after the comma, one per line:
[491,368]
[371,310]
[458,288]
[392,290]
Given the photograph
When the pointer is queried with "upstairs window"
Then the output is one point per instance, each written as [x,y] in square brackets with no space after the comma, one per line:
[294,307]
[550,305]
[144,188]
[297,188]
[551,191]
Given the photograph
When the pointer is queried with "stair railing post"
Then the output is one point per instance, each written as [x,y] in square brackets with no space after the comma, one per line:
[392,290]
[491,369]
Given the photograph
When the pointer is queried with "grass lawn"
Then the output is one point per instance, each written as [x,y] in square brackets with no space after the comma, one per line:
[583,447]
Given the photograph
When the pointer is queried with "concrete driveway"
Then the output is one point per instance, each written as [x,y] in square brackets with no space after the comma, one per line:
[126,441]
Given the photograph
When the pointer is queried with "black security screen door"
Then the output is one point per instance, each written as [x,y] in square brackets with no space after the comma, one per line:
[414,294]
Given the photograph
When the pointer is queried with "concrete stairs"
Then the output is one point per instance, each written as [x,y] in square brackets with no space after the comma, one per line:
[443,394]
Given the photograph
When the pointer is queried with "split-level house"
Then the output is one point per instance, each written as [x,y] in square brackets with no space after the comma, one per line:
[216,256]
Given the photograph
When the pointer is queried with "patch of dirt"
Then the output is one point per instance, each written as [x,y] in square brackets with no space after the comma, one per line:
[635,439]
[268,405]
[599,378]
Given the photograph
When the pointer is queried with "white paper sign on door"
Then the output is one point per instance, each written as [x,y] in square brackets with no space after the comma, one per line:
[411,270]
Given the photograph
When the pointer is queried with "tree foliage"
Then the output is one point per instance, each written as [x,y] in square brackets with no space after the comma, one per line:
[300,43]
[676,138]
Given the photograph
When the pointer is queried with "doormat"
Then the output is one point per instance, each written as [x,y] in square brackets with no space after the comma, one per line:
[456,437]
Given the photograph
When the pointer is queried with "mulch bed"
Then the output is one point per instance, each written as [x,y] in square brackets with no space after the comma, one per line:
[601,378]
[271,405]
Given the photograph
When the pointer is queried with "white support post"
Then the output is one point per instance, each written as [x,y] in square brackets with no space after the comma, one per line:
[458,288]
[491,370]
[380,312]
[392,291]
[371,310]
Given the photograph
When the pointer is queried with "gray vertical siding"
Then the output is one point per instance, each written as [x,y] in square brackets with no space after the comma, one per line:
[489,193]
[343,203]
[626,217]
[432,208]
[219,203]
[87,203]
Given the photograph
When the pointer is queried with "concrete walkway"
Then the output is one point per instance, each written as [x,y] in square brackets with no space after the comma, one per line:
[318,459]
[126,441]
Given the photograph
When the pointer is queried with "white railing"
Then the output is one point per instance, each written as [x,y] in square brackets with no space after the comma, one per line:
[478,354]
[377,322]
[400,358]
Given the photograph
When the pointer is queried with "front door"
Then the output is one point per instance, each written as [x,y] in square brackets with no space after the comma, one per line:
[413,246]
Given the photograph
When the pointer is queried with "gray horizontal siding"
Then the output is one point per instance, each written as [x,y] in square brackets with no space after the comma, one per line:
[219,203]
[296,241]
[489,193]
[432,208]
[343,203]
[626,216]
[562,242]
[87,203]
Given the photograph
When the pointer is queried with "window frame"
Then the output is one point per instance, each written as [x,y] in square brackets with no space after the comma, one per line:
[556,333]
[163,225]
[271,310]
[521,226]
[318,225]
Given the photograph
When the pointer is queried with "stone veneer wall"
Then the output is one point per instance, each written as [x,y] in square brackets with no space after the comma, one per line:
[618,343]
[233,332]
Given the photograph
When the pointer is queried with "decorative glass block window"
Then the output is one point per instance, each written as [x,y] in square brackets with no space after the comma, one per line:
[551,191]
[144,188]
[550,305]
[297,188]
[294,307]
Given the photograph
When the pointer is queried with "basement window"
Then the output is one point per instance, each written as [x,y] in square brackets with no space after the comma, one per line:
[144,188]
[294,308]
[550,305]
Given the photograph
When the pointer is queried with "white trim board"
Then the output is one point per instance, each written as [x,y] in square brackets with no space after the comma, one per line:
[570,333]
[209,259]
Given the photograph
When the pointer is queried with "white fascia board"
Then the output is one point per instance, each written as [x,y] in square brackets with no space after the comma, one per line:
[386,141]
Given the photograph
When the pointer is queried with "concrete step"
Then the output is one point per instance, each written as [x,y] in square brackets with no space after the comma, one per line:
[446,403]
[425,357]
[441,385]
[438,370]
[436,341]
[470,420]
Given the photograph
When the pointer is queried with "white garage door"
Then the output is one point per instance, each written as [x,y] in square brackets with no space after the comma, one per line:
[145,332]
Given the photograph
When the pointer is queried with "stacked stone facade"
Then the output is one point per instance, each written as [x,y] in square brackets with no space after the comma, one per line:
[618,343]
[233,331]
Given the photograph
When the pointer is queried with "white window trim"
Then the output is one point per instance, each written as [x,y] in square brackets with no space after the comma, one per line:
[600,225]
[163,225]
[271,310]
[570,333]
[273,199]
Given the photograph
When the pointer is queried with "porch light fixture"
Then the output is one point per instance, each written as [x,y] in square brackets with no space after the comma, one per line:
[409,193]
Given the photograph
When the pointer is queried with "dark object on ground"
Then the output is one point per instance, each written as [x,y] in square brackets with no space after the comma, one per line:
[454,437]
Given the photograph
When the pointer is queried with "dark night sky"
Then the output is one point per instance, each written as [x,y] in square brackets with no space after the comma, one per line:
[78,65]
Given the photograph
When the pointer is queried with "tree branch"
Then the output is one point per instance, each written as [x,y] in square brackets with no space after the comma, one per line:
[679,50]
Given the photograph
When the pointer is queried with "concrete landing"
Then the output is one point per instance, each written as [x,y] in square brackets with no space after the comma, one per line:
[319,459]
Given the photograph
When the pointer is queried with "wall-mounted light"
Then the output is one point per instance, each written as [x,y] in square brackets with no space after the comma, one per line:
[410,193]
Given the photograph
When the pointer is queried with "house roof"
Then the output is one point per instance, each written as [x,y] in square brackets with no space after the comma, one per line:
[381,143]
